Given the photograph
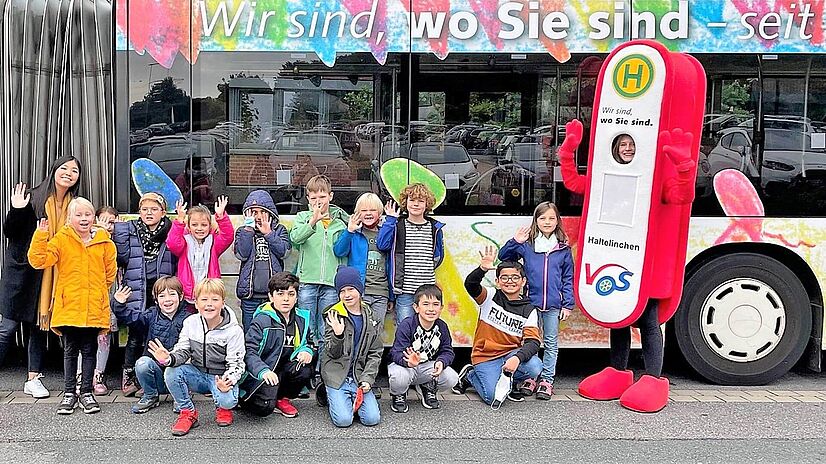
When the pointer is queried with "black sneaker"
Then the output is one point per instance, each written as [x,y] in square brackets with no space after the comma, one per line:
[68,405]
[516,395]
[462,385]
[399,403]
[88,403]
[427,391]
[321,394]
[376,392]
[145,404]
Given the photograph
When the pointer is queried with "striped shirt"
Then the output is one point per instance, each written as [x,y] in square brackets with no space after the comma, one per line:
[418,256]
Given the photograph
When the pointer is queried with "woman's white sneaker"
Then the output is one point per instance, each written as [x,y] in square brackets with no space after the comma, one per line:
[35,388]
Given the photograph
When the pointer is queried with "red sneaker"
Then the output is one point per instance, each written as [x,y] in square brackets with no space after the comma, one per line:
[223,417]
[187,420]
[286,408]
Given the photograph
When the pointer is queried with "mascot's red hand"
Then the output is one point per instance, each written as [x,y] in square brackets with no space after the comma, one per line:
[677,146]
[573,136]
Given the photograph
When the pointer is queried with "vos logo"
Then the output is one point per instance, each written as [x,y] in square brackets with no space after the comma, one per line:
[607,284]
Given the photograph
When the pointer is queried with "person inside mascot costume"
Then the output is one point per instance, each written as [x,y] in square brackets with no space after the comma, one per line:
[645,140]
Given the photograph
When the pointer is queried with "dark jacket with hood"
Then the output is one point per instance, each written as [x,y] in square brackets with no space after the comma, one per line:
[133,264]
[152,322]
[258,266]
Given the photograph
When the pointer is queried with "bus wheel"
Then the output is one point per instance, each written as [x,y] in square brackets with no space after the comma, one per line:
[744,319]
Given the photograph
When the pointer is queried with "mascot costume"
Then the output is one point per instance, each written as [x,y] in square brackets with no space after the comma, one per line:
[645,142]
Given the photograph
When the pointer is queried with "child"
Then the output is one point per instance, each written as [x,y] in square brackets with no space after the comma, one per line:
[415,244]
[208,358]
[261,244]
[143,258]
[358,244]
[352,354]
[199,242]
[162,322]
[507,334]
[84,258]
[546,255]
[313,234]
[422,352]
[106,216]
[279,359]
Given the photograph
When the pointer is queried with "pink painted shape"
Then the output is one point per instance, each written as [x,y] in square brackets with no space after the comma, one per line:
[359,6]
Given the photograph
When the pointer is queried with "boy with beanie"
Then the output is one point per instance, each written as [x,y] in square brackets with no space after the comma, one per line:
[351,355]
[261,245]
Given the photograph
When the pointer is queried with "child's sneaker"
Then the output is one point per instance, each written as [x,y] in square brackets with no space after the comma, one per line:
[528,387]
[68,405]
[462,385]
[100,384]
[376,392]
[35,388]
[545,390]
[304,393]
[223,417]
[516,396]
[89,404]
[145,404]
[321,395]
[398,403]
[187,420]
[130,383]
[286,408]
[428,393]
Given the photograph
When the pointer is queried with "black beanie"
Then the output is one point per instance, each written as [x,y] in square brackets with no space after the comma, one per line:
[347,276]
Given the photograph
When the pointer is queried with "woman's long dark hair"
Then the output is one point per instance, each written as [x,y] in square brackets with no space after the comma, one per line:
[45,189]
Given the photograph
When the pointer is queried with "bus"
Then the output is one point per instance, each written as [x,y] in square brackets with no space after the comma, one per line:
[215,92]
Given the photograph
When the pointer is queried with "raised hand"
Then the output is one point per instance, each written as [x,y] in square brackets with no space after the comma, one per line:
[249,220]
[318,214]
[573,136]
[122,294]
[265,227]
[180,208]
[336,323]
[522,234]
[391,209]
[677,145]
[488,256]
[157,350]
[43,225]
[355,222]
[412,357]
[221,206]
[19,197]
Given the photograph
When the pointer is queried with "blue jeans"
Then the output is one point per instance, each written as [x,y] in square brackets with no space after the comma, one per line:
[150,376]
[484,375]
[183,379]
[316,298]
[341,401]
[404,307]
[378,306]
[248,307]
[550,333]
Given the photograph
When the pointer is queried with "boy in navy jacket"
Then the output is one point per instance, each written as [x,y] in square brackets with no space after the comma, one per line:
[279,356]
[422,352]
[160,322]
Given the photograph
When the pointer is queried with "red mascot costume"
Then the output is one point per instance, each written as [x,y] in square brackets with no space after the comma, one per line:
[645,142]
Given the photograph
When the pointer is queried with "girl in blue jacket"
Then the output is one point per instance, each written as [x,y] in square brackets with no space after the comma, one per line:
[546,256]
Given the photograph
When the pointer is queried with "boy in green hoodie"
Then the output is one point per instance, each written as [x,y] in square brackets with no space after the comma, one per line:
[313,235]
[278,359]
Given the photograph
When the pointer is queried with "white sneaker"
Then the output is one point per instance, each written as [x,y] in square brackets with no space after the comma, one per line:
[35,388]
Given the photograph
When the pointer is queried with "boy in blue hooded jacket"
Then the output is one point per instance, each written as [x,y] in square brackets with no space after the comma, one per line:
[261,245]
[279,357]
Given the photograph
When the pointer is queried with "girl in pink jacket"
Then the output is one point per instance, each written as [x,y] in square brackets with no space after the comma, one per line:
[199,241]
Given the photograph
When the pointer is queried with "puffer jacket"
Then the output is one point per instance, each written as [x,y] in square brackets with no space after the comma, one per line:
[265,344]
[550,275]
[317,263]
[84,274]
[219,351]
[152,322]
[339,351]
[133,264]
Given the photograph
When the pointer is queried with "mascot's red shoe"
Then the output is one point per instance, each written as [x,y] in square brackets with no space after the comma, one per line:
[607,384]
[649,394]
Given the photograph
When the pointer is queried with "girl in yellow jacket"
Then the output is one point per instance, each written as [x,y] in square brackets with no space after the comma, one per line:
[84,258]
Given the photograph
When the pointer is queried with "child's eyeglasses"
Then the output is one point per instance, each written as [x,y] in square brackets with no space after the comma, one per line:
[510,278]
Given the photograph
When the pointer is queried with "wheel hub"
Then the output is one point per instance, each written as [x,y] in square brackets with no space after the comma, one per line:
[745,321]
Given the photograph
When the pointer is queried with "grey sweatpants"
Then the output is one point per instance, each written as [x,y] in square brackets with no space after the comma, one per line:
[402,378]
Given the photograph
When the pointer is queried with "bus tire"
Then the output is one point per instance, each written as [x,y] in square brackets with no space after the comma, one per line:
[744,319]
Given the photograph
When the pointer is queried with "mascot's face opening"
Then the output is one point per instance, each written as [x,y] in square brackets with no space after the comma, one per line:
[623,149]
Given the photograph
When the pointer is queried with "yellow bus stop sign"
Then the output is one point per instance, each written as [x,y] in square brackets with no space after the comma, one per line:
[633,76]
